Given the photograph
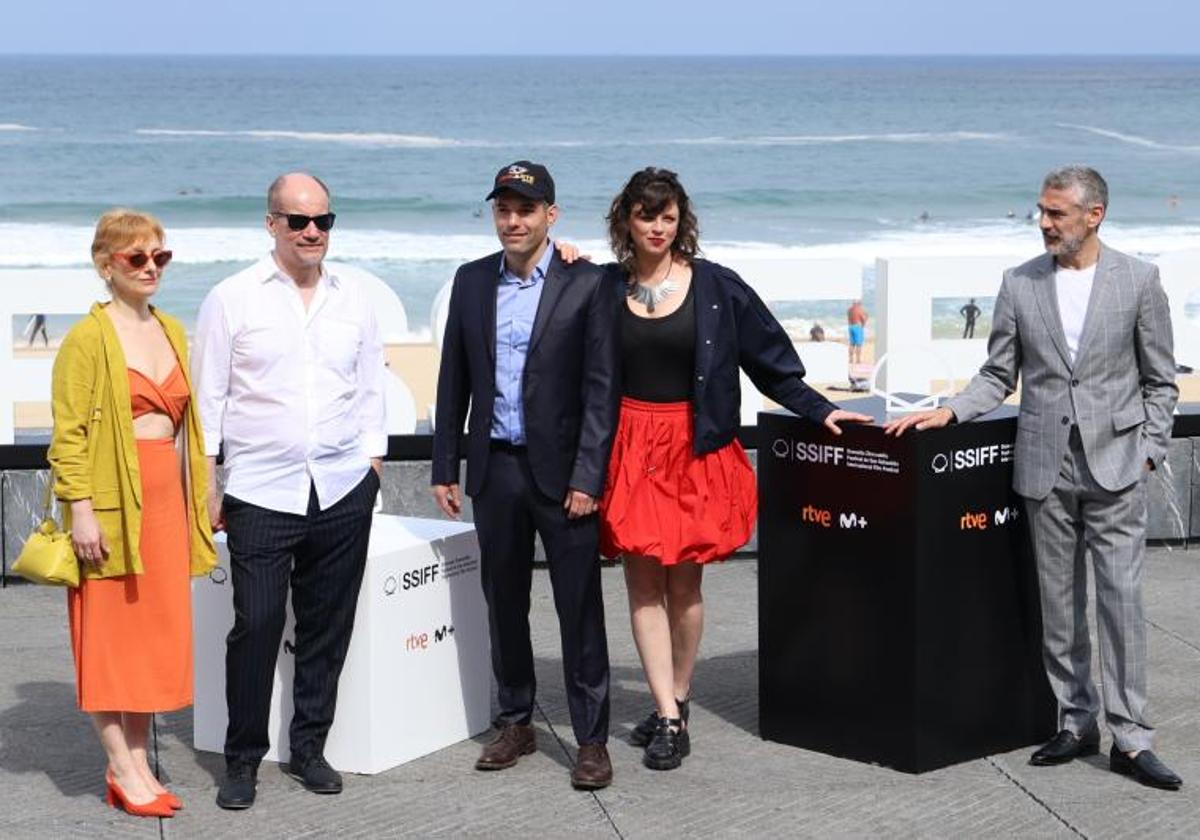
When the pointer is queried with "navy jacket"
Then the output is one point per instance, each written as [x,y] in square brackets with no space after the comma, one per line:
[569,389]
[734,329]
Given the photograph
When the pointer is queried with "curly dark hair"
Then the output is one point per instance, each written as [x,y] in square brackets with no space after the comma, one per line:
[652,190]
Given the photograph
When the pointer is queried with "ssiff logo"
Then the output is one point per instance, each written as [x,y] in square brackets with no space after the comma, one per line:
[967,459]
[412,579]
[812,453]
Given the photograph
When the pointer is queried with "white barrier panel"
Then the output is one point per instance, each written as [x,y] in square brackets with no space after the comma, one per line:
[29,291]
[1180,273]
[789,281]
[389,309]
[418,674]
[439,312]
[905,289]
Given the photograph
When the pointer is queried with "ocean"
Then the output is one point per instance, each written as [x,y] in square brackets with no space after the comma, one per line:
[821,157]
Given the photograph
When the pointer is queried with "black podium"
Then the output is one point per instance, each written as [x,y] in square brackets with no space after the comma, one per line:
[898,604]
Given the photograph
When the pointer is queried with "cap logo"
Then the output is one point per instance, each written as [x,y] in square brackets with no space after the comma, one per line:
[517,173]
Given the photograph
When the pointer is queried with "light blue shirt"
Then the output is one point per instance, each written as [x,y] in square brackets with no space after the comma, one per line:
[516,307]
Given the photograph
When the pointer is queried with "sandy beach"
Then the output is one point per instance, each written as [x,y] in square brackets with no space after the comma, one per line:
[417,364]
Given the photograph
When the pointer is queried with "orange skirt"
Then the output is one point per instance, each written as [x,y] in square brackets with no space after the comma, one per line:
[132,635]
[661,500]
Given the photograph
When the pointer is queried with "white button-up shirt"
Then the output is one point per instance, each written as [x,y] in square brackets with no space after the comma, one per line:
[295,394]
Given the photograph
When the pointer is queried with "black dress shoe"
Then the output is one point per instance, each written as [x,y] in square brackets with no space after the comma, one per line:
[1063,747]
[236,792]
[315,774]
[1145,767]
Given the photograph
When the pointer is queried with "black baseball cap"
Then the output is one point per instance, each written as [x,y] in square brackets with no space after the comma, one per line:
[531,180]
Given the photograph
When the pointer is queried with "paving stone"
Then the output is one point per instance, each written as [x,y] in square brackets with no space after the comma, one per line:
[734,784]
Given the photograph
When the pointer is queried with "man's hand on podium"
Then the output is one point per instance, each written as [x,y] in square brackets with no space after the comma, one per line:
[839,415]
[448,499]
[922,420]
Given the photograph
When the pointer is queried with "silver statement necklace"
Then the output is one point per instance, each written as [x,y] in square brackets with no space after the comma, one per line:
[652,296]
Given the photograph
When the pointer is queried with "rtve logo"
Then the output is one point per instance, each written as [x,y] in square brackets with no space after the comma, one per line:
[967,459]
[421,641]
[972,521]
[813,453]
[823,517]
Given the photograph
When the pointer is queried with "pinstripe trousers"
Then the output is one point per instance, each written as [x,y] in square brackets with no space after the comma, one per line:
[322,555]
[1081,519]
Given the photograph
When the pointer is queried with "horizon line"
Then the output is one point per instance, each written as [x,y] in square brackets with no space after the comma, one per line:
[658,56]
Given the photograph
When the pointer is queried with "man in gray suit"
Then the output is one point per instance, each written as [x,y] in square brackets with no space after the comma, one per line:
[1088,331]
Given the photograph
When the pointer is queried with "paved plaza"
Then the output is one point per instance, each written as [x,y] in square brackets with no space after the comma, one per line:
[733,785]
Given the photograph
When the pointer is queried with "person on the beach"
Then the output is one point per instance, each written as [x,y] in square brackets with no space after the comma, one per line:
[530,352]
[856,318]
[134,505]
[816,333]
[970,312]
[289,377]
[37,324]
[680,491]
[1088,331]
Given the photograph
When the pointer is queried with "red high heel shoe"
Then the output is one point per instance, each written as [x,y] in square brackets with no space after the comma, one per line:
[171,799]
[116,797]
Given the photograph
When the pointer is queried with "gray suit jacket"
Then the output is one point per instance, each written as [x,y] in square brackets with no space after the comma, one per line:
[1120,390]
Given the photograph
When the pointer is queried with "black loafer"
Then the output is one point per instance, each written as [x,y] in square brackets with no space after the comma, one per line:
[1145,767]
[315,774]
[1064,747]
[644,731]
[236,792]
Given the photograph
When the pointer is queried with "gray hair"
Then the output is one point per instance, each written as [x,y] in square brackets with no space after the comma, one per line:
[277,186]
[1091,187]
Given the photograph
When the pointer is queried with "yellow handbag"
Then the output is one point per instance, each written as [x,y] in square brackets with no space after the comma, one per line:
[47,556]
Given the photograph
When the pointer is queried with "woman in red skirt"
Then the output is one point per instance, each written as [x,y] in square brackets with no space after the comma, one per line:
[680,491]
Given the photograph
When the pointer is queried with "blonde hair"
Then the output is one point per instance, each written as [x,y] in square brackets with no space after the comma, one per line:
[120,227]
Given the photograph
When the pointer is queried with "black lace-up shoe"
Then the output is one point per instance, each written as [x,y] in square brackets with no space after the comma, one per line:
[315,774]
[236,792]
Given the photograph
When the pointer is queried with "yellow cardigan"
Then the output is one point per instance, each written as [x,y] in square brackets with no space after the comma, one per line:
[93,450]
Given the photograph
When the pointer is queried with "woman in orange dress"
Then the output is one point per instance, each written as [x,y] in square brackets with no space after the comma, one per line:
[130,471]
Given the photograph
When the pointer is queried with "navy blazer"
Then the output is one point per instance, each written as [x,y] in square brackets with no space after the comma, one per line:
[569,389]
[734,329]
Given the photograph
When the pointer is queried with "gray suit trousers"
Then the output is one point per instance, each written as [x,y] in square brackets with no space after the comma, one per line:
[1077,520]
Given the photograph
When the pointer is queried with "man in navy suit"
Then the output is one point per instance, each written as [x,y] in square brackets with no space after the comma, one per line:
[531,347]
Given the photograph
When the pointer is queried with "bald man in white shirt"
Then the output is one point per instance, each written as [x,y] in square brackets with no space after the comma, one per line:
[288,367]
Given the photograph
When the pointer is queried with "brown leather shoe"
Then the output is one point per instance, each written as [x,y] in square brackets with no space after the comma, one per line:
[510,743]
[592,769]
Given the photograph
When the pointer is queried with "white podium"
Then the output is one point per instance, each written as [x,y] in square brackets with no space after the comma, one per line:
[418,674]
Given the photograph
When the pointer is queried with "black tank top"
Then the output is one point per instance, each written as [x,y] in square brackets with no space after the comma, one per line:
[659,354]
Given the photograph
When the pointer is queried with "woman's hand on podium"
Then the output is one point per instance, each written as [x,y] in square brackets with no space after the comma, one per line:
[922,420]
[839,415]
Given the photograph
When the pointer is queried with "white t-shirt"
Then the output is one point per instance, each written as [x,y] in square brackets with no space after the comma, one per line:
[1074,287]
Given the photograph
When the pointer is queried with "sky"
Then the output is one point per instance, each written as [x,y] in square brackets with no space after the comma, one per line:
[605,27]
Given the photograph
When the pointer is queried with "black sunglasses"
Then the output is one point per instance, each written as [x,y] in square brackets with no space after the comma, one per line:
[298,221]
